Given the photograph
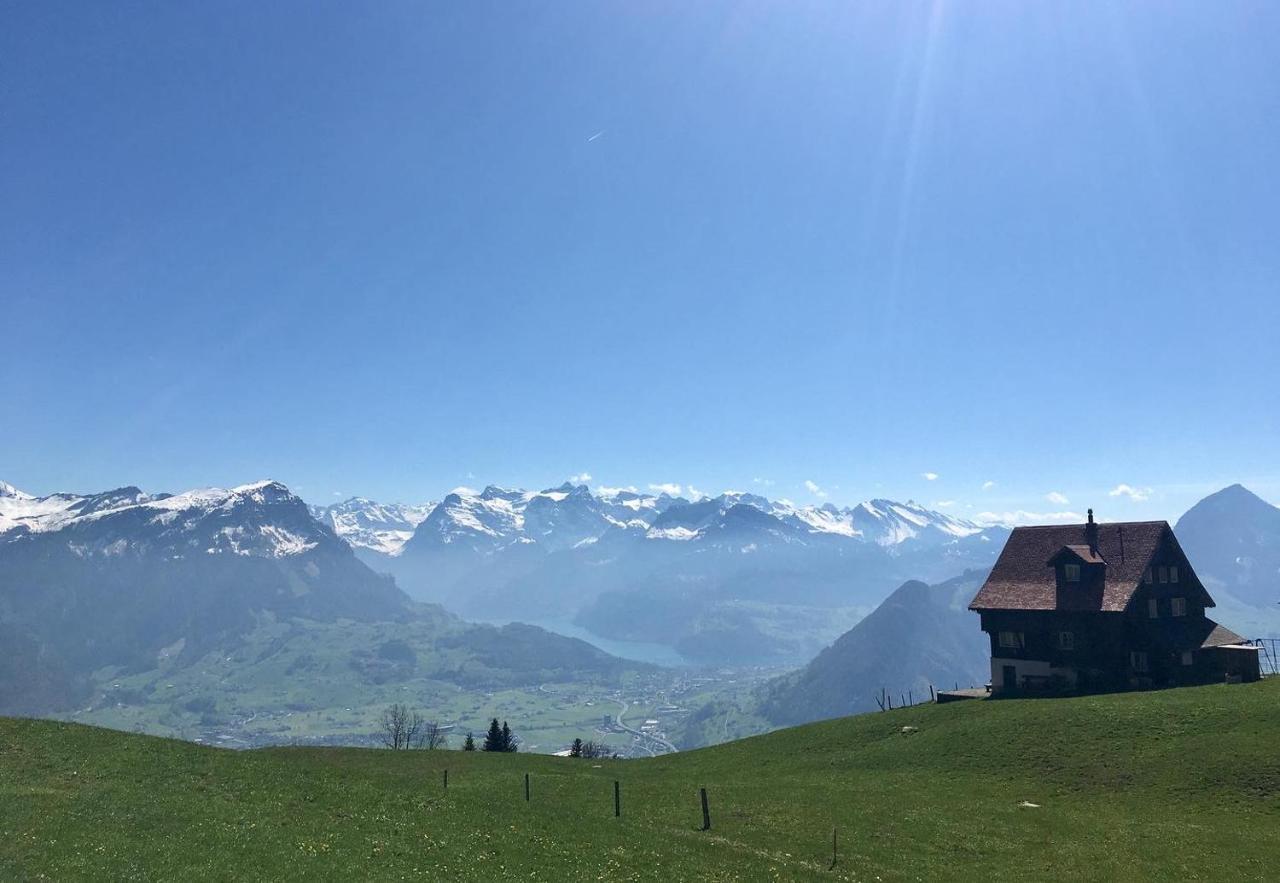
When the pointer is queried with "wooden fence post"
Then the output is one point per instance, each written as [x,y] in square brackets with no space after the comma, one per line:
[446,780]
[706,813]
[932,696]
[617,799]
[833,850]
[526,786]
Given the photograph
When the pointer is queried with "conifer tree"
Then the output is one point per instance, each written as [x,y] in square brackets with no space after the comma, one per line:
[493,739]
[576,749]
[508,740]
[469,744]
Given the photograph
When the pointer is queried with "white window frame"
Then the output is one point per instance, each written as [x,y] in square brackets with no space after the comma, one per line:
[1071,573]
[1139,662]
[1178,606]
[1012,640]
[1164,574]
[1173,573]
[1066,640]
[1153,608]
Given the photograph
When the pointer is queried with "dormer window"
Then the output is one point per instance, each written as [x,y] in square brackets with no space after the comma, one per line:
[1071,573]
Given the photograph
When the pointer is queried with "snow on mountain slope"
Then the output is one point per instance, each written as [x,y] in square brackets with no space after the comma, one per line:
[571,516]
[365,524]
[22,512]
[262,519]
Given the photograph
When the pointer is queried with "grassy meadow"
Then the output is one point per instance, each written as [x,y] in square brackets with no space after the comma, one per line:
[1180,784]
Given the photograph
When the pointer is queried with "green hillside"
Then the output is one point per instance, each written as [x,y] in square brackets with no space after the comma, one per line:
[1181,784]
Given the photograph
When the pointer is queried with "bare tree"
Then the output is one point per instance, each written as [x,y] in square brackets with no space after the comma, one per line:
[433,736]
[401,729]
[595,750]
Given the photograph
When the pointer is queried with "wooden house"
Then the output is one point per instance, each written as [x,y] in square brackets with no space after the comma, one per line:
[1111,606]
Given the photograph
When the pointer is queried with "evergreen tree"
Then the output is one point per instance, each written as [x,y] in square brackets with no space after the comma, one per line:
[509,742]
[469,744]
[493,739]
[576,749]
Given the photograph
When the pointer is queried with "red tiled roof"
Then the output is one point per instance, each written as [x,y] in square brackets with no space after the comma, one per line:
[1023,580]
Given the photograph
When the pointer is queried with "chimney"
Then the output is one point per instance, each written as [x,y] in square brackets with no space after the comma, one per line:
[1091,534]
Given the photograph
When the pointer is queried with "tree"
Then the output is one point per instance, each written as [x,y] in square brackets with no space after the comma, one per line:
[401,729]
[500,738]
[575,750]
[433,736]
[595,750]
[493,739]
[469,744]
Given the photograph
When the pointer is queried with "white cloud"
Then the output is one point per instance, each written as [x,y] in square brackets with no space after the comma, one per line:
[694,493]
[988,485]
[464,491]
[813,488]
[944,504]
[614,491]
[337,493]
[765,482]
[929,476]
[1057,498]
[667,488]
[580,478]
[1136,494]
[1022,516]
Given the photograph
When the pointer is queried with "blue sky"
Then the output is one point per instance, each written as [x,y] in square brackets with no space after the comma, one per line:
[393,248]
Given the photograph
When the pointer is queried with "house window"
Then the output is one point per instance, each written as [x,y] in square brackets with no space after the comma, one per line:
[1179,606]
[1072,572]
[1164,574]
[1187,657]
[1138,660]
[1011,639]
[1066,640]
[1146,576]
[1173,573]
[1153,608]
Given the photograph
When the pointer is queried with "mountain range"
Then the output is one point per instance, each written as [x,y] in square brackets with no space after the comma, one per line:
[96,586]
[726,579]
[254,589]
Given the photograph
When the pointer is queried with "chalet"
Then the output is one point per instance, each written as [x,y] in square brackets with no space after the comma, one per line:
[1103,607]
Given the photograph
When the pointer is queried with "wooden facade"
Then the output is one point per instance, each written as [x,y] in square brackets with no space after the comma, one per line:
[1093,607]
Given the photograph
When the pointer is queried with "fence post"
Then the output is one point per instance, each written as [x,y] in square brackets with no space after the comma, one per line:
[833,849]
[446,780]
[932,696]
[617,799]
[706,813]
[526,786]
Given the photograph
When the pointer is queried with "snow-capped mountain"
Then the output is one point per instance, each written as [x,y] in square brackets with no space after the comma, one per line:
[554,519]
[262,519]
[571,515]
[379,527]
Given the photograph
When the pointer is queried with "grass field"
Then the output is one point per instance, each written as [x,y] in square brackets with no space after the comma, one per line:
[1173,785]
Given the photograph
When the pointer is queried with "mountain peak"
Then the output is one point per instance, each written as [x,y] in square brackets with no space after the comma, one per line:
[8,490]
